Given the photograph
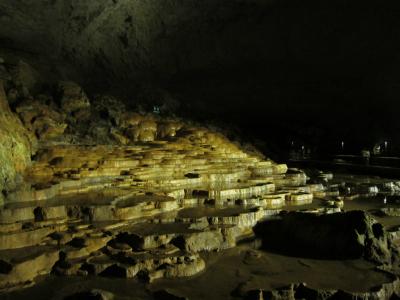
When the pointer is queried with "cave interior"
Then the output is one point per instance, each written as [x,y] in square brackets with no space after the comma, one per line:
[183,149]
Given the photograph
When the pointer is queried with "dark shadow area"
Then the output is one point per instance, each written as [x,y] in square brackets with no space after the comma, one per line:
[349,235]
[283,74]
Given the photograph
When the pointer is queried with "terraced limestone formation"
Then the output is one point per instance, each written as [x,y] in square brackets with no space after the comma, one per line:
[91,190]
[148,209]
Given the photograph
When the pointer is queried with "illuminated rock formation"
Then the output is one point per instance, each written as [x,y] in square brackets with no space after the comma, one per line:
[143,200]
[91,188]
[159,202]
[16,147]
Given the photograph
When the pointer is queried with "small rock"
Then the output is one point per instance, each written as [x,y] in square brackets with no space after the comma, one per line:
[251,257]
[73,97]
[119,137]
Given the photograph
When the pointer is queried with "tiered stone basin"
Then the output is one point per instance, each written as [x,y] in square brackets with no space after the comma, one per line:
[146,210]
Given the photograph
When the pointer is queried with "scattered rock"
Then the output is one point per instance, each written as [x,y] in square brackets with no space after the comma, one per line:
[28,267]
[42,120]
[108,107]
[302,291]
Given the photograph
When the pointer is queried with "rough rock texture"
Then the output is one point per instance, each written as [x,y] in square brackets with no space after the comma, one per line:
[114,192]
[128,38]
[117,193]
[15,148]
[231,55]
[134,38]
[302,291]
[353,234]
[73,98]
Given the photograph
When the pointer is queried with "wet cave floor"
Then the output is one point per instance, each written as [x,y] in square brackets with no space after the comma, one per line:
[226,272]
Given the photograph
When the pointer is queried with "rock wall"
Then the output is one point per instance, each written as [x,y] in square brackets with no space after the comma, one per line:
[234,58]
[16,146]
[135,38]
[126,38]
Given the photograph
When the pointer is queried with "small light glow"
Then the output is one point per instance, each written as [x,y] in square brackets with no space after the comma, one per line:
[156,109]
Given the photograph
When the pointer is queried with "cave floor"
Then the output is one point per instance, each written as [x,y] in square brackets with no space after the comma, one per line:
[177,217]
[227,273]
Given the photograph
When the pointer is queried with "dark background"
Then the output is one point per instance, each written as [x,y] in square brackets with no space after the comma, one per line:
[313,72]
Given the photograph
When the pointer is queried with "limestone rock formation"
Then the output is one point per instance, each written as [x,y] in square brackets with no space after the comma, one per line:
[25,78]
[302,291]
[352,234]
[16,147]
[43,121]
[73,98]
[117,193]
[127,39]
[92,188]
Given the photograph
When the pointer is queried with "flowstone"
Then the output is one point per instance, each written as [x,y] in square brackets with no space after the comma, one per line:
[145,205]
[116,193]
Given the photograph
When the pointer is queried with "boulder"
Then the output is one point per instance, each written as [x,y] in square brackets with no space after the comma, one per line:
[168,129]
[201,241]
[47,128]
[109,107]
[41,119]
[73,97]
[349,235]
[294,291]
[119,137]
[130,119]
[139,128]
[27,268]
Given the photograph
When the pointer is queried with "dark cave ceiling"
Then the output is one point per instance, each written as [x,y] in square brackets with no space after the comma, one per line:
[262,61]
